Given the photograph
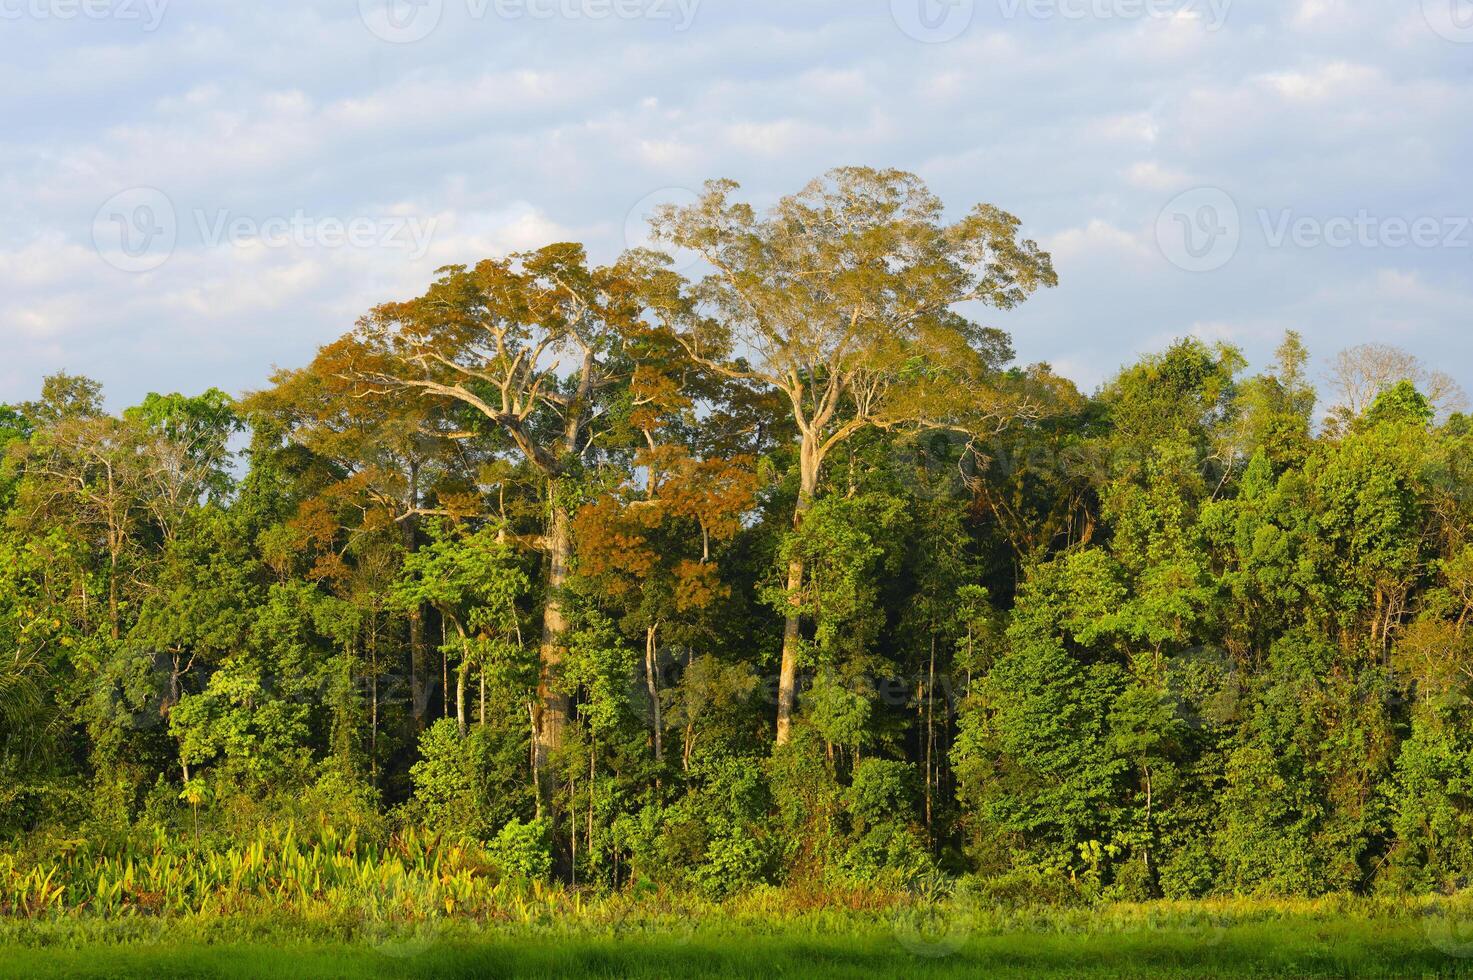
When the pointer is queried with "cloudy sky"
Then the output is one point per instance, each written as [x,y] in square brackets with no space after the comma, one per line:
[193,191]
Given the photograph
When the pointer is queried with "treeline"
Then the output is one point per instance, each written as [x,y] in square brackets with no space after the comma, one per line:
[783,573]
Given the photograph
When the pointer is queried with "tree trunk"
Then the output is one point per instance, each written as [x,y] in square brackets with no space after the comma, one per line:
[114,549]
[787,686]
[418,646]
[112,588]
[460,698]
[373,693]
[592,783]
[418,692]
[112,601]
[931,741]
[461,671]
[652,681]
[532,757]
[551,712]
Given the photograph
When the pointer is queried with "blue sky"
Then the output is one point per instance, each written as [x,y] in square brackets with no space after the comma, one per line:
[194,191]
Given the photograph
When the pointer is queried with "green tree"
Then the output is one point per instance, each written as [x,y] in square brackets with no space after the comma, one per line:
[842,298]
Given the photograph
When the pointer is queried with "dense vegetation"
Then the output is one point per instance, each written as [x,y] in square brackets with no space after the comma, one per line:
[754,937]
[778,575]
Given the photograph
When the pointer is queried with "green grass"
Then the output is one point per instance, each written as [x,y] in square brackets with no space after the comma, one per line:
[313,902]
[1296,945]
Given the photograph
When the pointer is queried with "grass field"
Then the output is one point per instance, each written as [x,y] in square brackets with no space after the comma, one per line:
[1205,945]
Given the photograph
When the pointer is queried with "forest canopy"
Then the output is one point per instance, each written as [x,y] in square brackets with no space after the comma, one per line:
[782,572]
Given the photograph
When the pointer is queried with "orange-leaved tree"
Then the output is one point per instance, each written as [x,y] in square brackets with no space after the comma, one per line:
[534,345]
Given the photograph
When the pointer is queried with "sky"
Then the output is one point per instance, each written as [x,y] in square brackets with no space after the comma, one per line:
[193,193]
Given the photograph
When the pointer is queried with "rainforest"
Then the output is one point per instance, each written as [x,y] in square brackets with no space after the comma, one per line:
[765,596]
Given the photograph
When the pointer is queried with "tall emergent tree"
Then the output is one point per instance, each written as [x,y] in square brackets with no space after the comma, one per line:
[844,298]
[530,344]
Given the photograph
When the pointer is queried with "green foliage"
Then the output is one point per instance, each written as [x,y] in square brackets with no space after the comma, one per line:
[1299,809]
[1401,404]
[715,838]
[1163,642]
[886,846]
[461,783]
[847,544]
[523,850]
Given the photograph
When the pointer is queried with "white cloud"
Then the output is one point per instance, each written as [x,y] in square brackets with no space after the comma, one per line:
[765,138]
[1310,13]
[1336,80]
[1150,175]
[1098,240]
[512,134]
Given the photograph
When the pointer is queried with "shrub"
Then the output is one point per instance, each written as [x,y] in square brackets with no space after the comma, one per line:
[523,850]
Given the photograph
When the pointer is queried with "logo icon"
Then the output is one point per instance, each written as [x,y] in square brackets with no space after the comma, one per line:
[933,21]
[637,232]
[1204,929]
[933,930]
[401,21]
[1200,230]
[407,944]
[1449,929]
[1204,685]
[135,230]
[1451,19]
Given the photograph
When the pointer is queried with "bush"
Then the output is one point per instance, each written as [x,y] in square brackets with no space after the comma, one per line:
[523,850]
[715,839]
[456,786]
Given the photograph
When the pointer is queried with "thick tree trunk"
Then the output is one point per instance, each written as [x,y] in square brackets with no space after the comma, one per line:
[551,713]
[787,685]
[787,682]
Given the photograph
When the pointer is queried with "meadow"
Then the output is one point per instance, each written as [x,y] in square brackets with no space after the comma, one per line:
[1304,939]
[319,903]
